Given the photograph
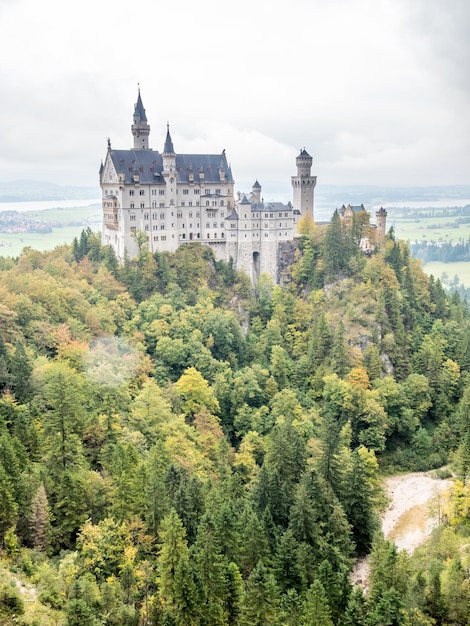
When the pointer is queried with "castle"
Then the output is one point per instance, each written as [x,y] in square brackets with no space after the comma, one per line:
[176,199]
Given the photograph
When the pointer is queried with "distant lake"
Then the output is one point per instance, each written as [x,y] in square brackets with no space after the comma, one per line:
[41,205]
[424,204]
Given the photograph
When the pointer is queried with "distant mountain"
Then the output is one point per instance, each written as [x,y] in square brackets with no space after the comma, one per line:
[31,190]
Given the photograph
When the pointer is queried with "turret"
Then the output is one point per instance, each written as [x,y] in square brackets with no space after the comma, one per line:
[168,155]
[140,128]
[256,192]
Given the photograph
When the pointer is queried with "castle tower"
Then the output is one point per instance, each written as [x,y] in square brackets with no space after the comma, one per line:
[140,128]
[381,224]
[168,155]
[303,186]
[256,192]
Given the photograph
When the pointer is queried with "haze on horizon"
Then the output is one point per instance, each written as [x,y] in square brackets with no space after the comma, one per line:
[377,91]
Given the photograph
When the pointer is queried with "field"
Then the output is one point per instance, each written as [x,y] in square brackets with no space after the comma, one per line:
[430,229]
[67,223]
[460,269]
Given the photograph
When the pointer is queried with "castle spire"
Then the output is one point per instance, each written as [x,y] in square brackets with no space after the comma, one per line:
[140,128]
[168,147]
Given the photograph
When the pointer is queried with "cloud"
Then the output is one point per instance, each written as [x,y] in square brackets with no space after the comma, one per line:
[376,90]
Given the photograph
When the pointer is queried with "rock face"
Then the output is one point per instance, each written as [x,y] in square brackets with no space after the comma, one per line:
[286,256]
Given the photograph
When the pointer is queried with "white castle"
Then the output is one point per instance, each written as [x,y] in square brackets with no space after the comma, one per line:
[176,199]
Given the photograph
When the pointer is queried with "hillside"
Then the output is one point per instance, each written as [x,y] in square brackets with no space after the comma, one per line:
[177,450]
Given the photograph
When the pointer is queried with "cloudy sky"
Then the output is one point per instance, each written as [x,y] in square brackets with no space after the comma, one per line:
[377,91]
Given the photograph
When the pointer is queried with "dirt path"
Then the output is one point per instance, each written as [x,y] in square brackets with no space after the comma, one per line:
[412,513]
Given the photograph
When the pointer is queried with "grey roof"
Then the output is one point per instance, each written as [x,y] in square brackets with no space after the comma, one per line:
[270,206]
[139,110]
[304,153]
[168,148]
[256,185]
[233,215]
[149,166]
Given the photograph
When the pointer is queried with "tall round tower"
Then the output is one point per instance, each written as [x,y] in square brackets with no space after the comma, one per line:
[303,186]
[381,224]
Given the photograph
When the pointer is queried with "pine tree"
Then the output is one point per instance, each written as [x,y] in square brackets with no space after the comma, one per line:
[316,611]
[261,598]
[173,549]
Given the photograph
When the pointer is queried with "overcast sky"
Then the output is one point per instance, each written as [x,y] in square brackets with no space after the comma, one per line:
[377,91]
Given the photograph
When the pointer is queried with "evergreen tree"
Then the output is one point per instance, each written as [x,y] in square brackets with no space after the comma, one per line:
[261,599]
[316,611]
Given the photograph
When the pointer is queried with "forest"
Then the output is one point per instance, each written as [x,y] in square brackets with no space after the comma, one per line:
[177,449]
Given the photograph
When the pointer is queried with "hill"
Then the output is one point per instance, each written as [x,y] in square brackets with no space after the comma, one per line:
[175,449]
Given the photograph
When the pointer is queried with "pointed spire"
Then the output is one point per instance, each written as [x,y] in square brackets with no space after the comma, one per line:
[168,148]
[139,110]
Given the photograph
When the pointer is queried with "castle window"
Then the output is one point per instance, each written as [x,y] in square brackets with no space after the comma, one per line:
[222,235]
[162,216]
[190,214]
[141,192]
[132,205]
[133,229]
[197,213]
[162,204]
[266,215]
[221,203]
[142,205]
[154,216]
[154,192]
[218,191]
[214,202]
[146,227]
[172,202]
[183,236]
[215,235]
[207,192]
[154,205]
[163,237]
[196,192]
[190,203]
[131,192]
[208,235]
[162,227]
[232,225]
[155,227]
[221,224]
[182,204]
[207,202]
[161,192]
[185,192]
[179,214]
[155,238]
[146,216]
[215,224]
[197,203]
[208,225]
[222,214]
[132,217]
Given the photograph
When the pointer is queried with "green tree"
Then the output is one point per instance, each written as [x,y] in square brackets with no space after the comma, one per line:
[173,549]
[316,611]
[261,599]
